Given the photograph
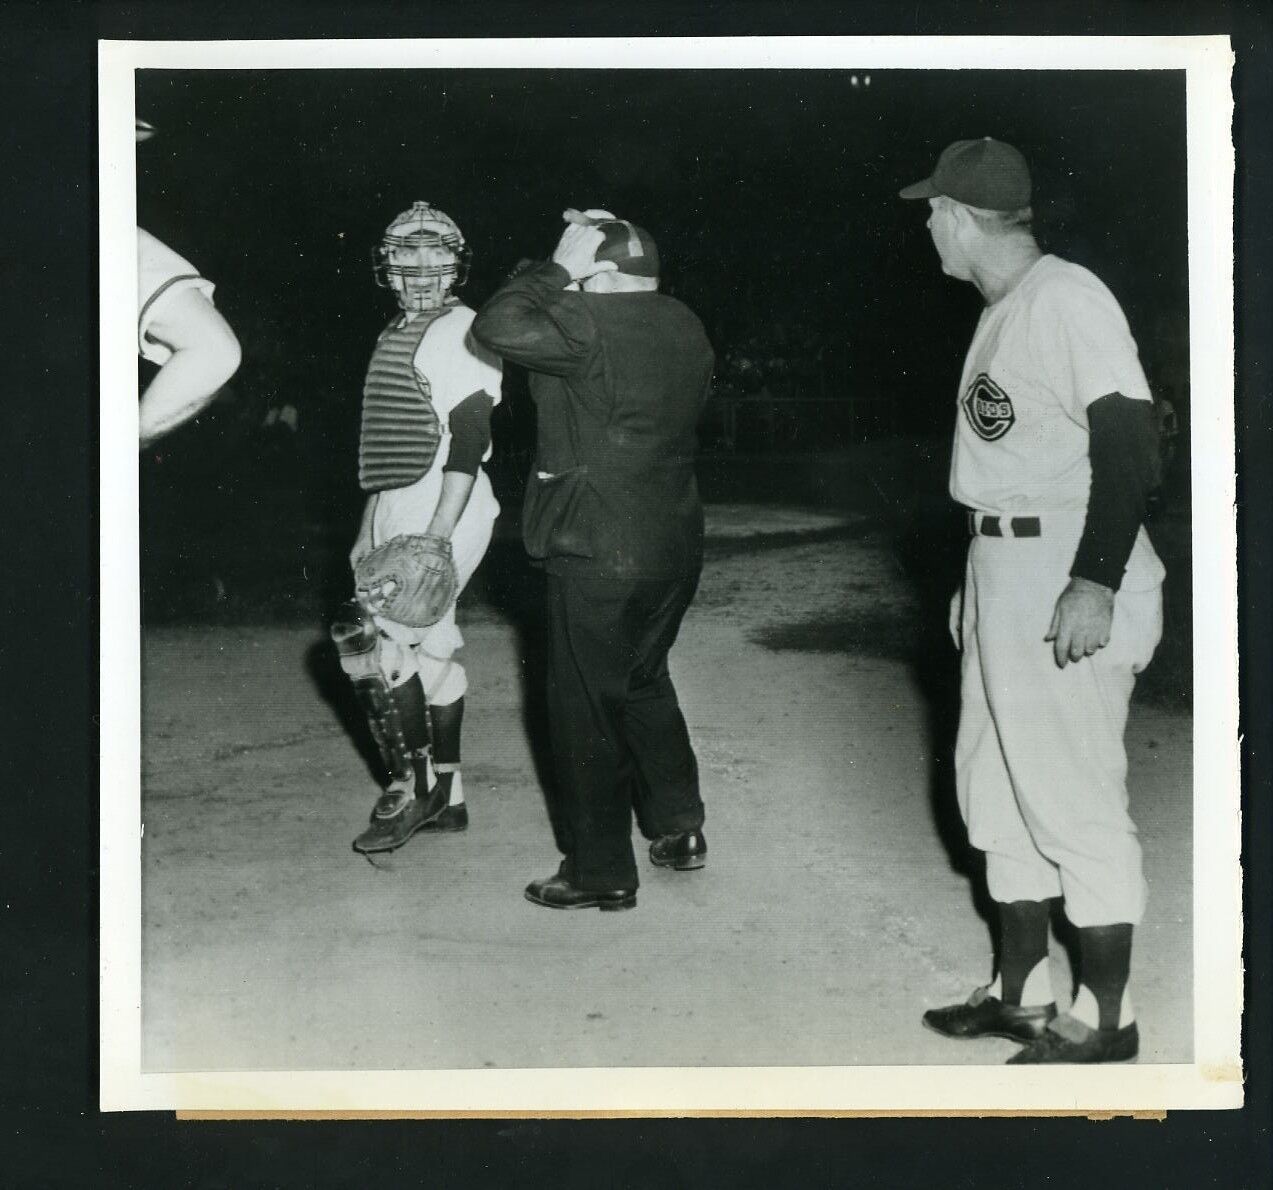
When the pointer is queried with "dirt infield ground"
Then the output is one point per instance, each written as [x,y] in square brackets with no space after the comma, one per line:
[838,901]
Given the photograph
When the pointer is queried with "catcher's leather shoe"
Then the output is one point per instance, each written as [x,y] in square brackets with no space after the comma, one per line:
[453,818]
[985,1015]
[684,852]
[558,893]
[396,817]
[1067,1039]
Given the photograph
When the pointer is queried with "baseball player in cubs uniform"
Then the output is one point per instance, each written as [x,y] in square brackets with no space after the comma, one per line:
[179,329]
[427,404]
[1055,455]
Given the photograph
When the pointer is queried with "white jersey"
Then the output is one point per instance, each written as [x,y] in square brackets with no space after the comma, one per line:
[160,274]
[1040,761]
[455,366]
[1040,356]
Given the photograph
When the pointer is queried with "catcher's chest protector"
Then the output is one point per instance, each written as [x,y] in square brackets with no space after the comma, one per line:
[400,429]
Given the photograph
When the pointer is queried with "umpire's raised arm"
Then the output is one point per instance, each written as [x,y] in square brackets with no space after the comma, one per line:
[535,321]
[538,319]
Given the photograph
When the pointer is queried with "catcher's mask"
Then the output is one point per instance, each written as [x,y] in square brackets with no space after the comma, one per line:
[422,258]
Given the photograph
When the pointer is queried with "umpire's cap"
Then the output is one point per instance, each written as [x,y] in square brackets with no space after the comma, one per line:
[632,248]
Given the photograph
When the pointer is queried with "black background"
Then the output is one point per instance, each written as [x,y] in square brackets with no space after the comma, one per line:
[51,1133]
[772,196]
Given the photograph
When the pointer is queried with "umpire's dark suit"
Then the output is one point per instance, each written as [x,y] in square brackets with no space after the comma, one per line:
[613,513]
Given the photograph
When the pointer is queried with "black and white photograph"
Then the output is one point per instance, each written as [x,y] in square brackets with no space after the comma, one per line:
[681,576]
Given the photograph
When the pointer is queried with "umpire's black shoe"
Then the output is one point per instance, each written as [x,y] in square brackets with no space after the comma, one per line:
[684,852]
[556,892]
[986,1016]
[453,818]
[1067,1039]
[396,817]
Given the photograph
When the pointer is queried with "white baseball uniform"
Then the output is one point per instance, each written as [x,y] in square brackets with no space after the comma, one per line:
[1040,760]
[160,274]
[455,367]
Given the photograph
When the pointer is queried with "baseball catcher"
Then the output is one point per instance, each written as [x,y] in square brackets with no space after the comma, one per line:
[427,522]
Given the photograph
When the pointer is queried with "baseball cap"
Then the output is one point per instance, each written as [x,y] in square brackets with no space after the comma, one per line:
[982,173]
[632,248]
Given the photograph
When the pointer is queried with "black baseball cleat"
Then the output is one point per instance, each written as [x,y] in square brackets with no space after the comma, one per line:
[396,817]
[556,892]
[685,852]
[453,818]
[985,1015]
[1067,1039]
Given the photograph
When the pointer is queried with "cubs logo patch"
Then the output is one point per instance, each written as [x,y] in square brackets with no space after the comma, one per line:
[989,409]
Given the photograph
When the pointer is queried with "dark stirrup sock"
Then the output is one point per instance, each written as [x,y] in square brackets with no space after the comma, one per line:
[1105,961]
[1023,942]
[447,721]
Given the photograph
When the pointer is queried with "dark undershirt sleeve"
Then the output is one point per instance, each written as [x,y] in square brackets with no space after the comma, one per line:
[470,423]
[1123,449]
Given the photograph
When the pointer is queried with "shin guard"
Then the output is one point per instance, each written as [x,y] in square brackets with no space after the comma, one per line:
[357,639]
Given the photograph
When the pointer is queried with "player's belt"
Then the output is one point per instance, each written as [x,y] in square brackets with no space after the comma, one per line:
[995,526]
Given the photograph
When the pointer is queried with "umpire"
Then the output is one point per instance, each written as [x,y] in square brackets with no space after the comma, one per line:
[619,376]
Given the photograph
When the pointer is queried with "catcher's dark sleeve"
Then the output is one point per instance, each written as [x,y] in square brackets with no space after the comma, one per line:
[1123,449]
[534,321]
[470,423]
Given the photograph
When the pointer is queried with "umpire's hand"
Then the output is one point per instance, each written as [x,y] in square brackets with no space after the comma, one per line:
[576,250]
[1081,621]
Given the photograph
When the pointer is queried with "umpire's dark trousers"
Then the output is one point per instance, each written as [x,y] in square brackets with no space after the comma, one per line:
[619,739]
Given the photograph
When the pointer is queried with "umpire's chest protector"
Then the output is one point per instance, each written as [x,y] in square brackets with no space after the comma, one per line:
[400,427]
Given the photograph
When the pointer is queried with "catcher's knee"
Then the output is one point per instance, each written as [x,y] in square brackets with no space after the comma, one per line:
[353,629]
[366,652]
[444,680]
[357,640]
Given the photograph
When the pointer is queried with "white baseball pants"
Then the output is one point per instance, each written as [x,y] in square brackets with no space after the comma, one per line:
[1041,767]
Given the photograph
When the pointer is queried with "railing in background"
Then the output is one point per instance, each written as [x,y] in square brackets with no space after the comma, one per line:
[762,424]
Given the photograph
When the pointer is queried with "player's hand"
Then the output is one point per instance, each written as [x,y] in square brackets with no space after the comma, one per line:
[576,251]
[956,619]
[1081,621]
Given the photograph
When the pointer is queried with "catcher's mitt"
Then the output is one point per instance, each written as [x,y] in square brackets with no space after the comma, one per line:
[410,579]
